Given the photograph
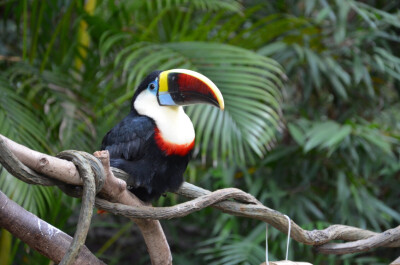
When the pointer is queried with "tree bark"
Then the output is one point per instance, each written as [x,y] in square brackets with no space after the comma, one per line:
[38,234]
[119,200]
[114,190]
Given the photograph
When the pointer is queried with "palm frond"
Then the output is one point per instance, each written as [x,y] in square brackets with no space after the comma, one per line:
[18,120]
[57,94]
[235,249]
[209,5]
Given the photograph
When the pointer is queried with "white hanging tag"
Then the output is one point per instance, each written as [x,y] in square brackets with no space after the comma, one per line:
[282,262]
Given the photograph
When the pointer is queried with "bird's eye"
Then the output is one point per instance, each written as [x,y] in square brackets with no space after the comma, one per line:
[152,86]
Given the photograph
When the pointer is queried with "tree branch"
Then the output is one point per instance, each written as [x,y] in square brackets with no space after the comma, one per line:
[245,206]
[204,198]
[114,190]
[41,236]
[279,221]
[390,237]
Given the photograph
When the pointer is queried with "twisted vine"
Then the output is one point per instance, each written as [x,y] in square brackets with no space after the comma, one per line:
[92,173]
[93,176]
[65,174]
[245,205]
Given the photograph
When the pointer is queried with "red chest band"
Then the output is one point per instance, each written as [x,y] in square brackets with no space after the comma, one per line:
[171,148]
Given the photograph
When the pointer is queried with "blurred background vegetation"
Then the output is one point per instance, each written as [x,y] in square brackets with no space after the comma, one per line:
[311,127]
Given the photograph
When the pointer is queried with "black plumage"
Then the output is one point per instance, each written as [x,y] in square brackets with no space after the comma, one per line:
[133,148]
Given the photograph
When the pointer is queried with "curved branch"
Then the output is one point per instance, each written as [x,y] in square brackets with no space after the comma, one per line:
[114,189]
[41,236]
[92,182]
[153,234]
[378,240]
[251,208]
[279,221]
[205,198]
[175,211]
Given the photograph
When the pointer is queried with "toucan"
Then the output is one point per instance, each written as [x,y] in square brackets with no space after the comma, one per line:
[154,142]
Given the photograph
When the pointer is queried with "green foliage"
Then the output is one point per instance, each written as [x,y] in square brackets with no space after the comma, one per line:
[310,127]
[235,249]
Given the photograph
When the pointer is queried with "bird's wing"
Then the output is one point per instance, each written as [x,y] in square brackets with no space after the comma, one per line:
[127,140]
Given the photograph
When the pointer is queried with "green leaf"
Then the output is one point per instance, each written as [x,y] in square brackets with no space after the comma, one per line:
[297,134]
[342,133]
[320,134]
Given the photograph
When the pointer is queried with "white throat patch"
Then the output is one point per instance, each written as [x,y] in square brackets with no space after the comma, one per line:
[174,125]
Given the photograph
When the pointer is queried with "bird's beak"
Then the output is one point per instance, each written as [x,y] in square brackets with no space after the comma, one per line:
[186,87]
